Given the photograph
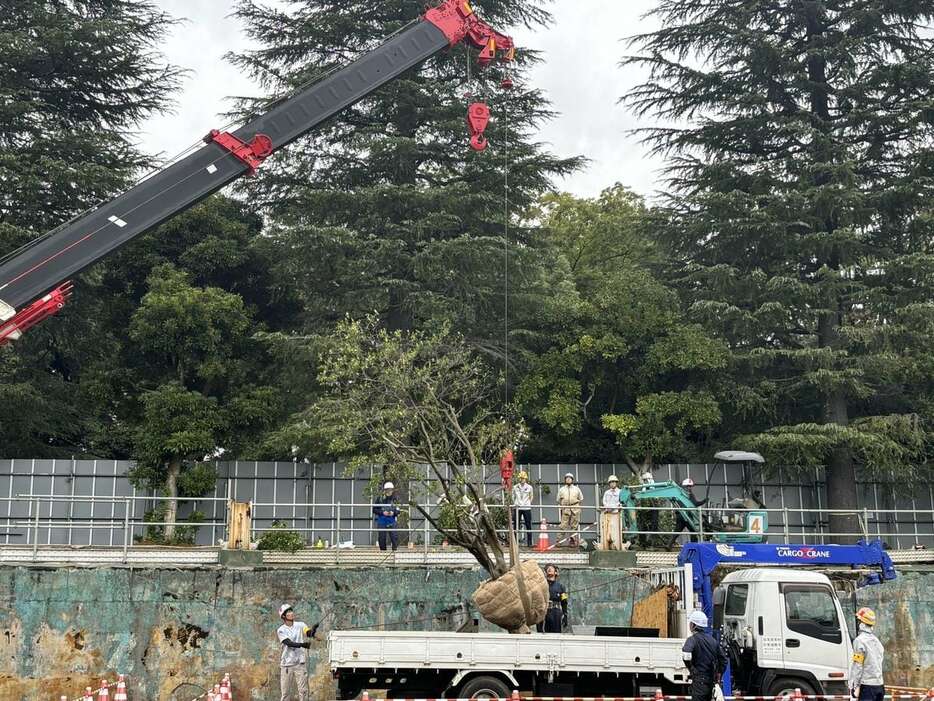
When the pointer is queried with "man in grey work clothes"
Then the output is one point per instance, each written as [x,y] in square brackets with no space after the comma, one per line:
[292,663]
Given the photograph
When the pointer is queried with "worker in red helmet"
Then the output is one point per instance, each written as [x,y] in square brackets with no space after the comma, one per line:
[681,523]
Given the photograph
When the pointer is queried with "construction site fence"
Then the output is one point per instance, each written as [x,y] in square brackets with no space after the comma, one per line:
[50,520]
[330,502]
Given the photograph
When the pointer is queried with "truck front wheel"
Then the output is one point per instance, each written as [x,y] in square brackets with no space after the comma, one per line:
[785,686]
[484,688]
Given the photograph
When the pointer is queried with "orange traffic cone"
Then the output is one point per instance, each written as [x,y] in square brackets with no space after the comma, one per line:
[120,693]
[659,696]
[797,695]
[543,542]
[366,696]
[515,695]
[931,693]
[104,693]
[88,694]
[226,694]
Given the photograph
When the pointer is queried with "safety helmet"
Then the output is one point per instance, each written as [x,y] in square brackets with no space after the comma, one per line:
[687,482]
[389,485]
[698,618]
[647,477]
[283,609]
[522,475]
[568,474]
[867,616]
[613,478]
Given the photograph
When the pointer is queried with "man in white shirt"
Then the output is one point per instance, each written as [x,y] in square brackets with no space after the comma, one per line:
[294,657]
[570,499]
[610,530]
[522,505]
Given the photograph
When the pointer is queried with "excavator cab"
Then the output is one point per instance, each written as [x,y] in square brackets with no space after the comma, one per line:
[743,518]
[740,519]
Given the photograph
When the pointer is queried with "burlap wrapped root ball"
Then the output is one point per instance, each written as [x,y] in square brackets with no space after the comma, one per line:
[498,599]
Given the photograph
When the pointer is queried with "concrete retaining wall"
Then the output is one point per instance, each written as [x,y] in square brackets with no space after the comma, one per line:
[60,630]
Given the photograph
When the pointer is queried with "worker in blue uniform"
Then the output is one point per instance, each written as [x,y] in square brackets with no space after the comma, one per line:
[386,511]
[556,617]
[703,657]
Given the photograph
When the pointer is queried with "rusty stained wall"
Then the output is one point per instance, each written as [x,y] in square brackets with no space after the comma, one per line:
[176,630]
[173,630]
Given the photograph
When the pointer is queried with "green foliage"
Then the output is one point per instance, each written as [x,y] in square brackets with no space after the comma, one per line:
[614,342]
[801,175]
[280,538]
[385,207]
[76,80]
[156,534]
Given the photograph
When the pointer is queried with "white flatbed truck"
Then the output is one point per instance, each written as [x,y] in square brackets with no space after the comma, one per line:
[784,628]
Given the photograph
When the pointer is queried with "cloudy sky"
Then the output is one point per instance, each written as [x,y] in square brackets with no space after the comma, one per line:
[581,74]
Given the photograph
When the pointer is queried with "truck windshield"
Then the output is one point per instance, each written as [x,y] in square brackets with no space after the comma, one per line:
[810,611]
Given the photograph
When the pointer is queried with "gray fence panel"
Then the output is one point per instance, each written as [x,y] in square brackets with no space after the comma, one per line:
[305,496]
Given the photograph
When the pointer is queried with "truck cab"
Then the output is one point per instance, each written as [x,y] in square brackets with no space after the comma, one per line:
[785,629]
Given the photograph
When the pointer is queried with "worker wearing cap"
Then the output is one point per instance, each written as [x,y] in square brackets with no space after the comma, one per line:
[386,511]
[681,523]
[522,505]
[294,637]
[610,526]
[703,657]
[570,499]
[611,495]
[556,618]
[865,678]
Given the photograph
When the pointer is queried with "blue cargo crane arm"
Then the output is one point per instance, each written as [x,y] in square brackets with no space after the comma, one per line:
[704,558]
[34,279]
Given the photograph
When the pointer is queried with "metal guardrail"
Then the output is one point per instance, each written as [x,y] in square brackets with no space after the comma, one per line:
[353,521]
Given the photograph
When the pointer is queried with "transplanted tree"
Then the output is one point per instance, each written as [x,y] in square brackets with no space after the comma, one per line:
[76,78]
[409,399]
[613,365]
[386,207]
[801,164]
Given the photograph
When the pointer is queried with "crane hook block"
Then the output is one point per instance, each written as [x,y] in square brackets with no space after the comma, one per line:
[478,117]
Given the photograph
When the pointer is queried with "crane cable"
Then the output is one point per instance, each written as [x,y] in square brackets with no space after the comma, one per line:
[506,252]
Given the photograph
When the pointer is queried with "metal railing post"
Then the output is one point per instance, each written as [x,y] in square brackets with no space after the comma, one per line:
[785,525]
[865,524]
[35,533]
[427,535]
[700,528]
[337,542]
[127,535]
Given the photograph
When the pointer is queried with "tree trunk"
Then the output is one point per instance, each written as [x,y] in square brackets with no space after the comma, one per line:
[171,506]
[841,473]
[841,476]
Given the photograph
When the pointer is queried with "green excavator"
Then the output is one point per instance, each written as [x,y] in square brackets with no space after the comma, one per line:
[740,520]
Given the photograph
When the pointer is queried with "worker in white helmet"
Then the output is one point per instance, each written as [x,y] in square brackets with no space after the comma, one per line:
[386,511]
[522,494]
[611,495]
[681,523]
[295,639]
[703,657]
[866,683]
[570,498]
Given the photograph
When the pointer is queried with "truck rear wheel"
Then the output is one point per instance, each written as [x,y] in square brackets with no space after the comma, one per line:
[785,686]
[485,687]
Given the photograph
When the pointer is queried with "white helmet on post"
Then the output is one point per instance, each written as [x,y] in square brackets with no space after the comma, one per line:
[687,482]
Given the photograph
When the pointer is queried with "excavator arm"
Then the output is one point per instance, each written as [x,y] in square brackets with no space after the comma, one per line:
[34,279]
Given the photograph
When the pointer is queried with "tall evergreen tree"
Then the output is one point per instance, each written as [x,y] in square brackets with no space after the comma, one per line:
[76,78]
[802,175]
[385,207]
